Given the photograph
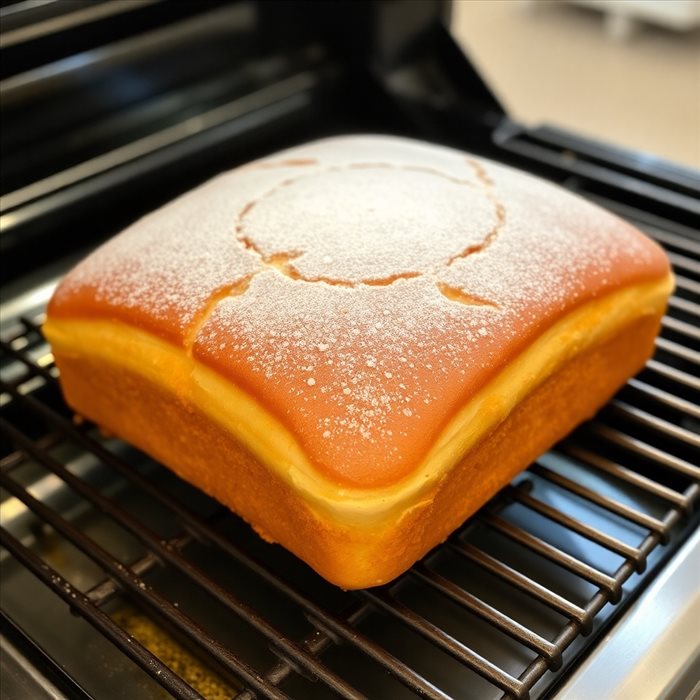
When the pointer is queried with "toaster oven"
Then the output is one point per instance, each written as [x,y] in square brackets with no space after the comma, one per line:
[579,580]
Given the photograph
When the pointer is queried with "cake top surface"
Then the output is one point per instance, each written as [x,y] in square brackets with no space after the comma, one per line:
[361,288]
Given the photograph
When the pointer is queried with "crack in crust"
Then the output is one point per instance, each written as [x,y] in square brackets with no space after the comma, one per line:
[411,169]
[230,290]
[282,262]
[500,211]
[462,297]
[289,163]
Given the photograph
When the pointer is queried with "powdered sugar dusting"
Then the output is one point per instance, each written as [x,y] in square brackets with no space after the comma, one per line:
[352,237]
[368,393]
[403,357]
[167,265]
[552,246]
[387,281]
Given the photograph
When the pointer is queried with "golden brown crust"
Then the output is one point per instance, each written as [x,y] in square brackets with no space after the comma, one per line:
[208,456]
[365,350]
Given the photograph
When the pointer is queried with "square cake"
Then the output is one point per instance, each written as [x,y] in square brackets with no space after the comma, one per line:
[355,343]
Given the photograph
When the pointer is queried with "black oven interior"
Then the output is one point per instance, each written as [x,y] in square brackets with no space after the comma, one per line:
[121,581]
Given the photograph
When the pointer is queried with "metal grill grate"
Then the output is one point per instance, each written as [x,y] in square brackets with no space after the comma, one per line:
[488,613]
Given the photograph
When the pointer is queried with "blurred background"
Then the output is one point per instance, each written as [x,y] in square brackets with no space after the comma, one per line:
[625,72]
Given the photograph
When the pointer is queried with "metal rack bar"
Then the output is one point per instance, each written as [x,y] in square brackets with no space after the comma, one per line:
[537,668]
[671,462]
[609,504]
[553,554]
[487,612]
[611,543]
[678,350]
[316,615]
[684,305]
[687,285]
[649,420]
[676,375]
[59,681]
[447,643]
[625,474]
[317,641]
[68,20]
[684,262]
[520,581]
[678,241]
[165,553]
[665,397]
[134,584]
[127,644]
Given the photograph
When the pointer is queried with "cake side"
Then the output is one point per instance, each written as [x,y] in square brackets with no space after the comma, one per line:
[354,554]
[362,289]
[268,441]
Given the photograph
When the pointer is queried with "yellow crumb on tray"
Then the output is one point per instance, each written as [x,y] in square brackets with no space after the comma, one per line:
[173,655]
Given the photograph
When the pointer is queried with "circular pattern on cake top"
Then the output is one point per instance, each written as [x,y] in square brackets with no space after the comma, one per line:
[361,288]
